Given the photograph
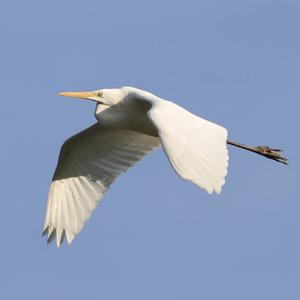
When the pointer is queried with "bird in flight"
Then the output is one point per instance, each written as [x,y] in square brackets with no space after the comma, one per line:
[130,124]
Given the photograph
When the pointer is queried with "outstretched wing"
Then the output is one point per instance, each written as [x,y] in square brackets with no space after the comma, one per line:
[88,163]
[196,148]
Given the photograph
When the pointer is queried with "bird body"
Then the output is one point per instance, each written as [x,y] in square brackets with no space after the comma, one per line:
[131,123]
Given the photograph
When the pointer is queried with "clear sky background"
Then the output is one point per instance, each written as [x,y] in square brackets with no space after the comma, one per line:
[154,236]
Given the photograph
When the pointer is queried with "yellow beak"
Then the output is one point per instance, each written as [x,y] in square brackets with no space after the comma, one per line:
[82,95]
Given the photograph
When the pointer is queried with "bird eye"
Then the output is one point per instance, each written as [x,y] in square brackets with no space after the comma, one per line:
[100,94]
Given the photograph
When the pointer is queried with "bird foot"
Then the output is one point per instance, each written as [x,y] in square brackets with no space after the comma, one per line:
[272,154]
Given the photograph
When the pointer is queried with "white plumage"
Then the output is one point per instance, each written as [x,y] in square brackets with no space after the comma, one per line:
[131,123]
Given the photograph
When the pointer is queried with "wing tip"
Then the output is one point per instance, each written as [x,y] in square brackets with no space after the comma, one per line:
[58,235]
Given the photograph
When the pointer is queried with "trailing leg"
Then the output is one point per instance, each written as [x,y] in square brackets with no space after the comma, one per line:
[262,150]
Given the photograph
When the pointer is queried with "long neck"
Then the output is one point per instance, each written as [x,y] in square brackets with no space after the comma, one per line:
[135,93]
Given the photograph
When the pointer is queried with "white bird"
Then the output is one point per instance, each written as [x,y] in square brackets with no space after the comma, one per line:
[130,124]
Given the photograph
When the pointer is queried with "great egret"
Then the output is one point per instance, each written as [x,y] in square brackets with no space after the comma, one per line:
[132,123]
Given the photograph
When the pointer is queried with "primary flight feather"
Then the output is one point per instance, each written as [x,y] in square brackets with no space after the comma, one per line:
[130,124]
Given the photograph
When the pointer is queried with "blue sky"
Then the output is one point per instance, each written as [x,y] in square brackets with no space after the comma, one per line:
[154,236]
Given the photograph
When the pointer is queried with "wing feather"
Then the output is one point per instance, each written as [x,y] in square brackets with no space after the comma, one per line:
[195,147]
[88,164]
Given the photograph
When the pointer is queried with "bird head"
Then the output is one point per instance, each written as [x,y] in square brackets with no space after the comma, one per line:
[105,96]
